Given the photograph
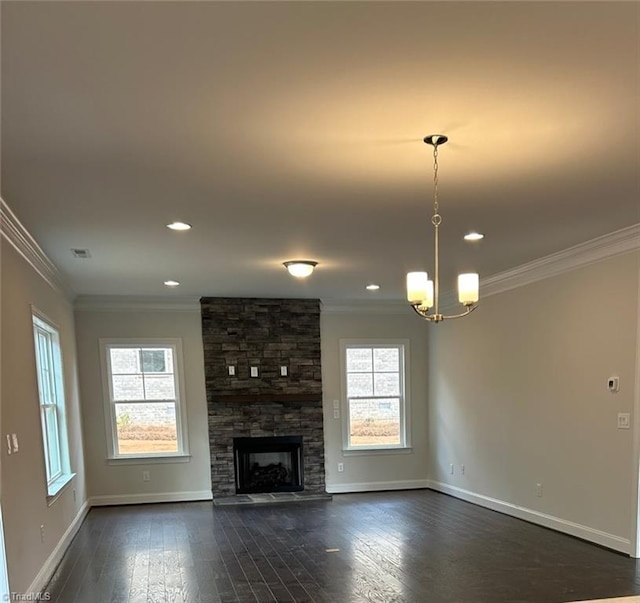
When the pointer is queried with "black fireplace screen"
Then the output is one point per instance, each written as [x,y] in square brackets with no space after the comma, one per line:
[268,464]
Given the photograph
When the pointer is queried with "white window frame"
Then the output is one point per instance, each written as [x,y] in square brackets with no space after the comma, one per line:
[52,404]
[405,407]
[109,404]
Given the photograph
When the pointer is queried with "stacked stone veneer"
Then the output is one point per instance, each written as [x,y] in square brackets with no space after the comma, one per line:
[268,334]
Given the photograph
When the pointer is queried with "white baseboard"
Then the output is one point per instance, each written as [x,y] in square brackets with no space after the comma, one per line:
[156,497]
[44,575]
[548,521]
[377,486]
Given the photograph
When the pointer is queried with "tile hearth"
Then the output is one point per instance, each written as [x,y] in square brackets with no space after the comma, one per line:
[270,498]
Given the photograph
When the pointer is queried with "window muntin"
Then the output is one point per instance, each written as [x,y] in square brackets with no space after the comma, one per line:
[144,407]
[51,398]
[374,375]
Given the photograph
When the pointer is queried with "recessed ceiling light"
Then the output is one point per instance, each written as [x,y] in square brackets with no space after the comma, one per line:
[179,226]
[300,268]
[172,283]
[473,236]
[373,287]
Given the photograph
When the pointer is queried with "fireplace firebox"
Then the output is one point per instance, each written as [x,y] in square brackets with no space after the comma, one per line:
[268,464]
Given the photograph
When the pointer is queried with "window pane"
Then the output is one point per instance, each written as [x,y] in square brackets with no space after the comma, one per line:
[146,428]
[127,387]
[156,361]
[125,361]
[387,384]
[359,360]
[374,422]
[45,383]
[52,440]
[43,421]
[386,359]
[159,387]
[359,384]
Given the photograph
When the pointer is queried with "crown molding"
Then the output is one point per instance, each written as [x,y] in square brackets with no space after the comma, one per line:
[21,240]
[607,246]
[130,303]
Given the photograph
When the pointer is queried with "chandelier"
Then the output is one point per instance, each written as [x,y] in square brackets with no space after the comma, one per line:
[422,293]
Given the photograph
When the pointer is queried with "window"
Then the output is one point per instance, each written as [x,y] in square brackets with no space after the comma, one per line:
[143,401]
[52,404]
[374,387]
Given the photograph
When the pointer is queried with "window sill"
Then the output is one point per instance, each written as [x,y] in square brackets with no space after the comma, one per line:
[149,460]
[375,451]
[55,489]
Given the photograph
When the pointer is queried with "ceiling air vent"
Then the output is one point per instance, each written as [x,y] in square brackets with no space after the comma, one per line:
[81,254]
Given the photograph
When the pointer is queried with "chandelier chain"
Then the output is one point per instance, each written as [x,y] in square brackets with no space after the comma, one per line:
[435,180]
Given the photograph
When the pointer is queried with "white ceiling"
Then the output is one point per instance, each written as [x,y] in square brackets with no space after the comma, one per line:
[293,130]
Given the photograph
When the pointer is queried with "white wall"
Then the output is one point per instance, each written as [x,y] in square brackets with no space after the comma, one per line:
[24,492]
[379,470]
[122,483]
[518,395]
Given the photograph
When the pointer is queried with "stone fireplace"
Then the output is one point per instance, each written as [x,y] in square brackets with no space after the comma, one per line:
[247,342]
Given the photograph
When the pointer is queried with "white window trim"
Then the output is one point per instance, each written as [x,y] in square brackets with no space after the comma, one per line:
[56,485]
[181,407]
[405,406]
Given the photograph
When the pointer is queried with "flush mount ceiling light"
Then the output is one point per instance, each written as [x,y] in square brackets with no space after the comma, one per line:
[423,293]
[473,236]
[300,268]
[172,283]
[372,287]
[179,226]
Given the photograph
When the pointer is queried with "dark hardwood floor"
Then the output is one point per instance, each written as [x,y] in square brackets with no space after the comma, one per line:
[413,546]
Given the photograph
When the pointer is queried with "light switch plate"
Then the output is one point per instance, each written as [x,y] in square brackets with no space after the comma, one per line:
[14,439]
[254,371]
[283,371]
[232,371]
[624,420]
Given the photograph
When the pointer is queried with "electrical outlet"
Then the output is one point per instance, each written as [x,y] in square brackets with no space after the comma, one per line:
[41,532]
[539,490]
[462,469]
[283,371]
[14,440]
[146,476]
[8,444]
[336,413]
[254,371]
[340,467]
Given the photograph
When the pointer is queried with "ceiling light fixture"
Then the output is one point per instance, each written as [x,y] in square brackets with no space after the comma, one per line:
[300,268]
[372,287]
[422,293]
[172,283]
[179,226]
[473,236]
